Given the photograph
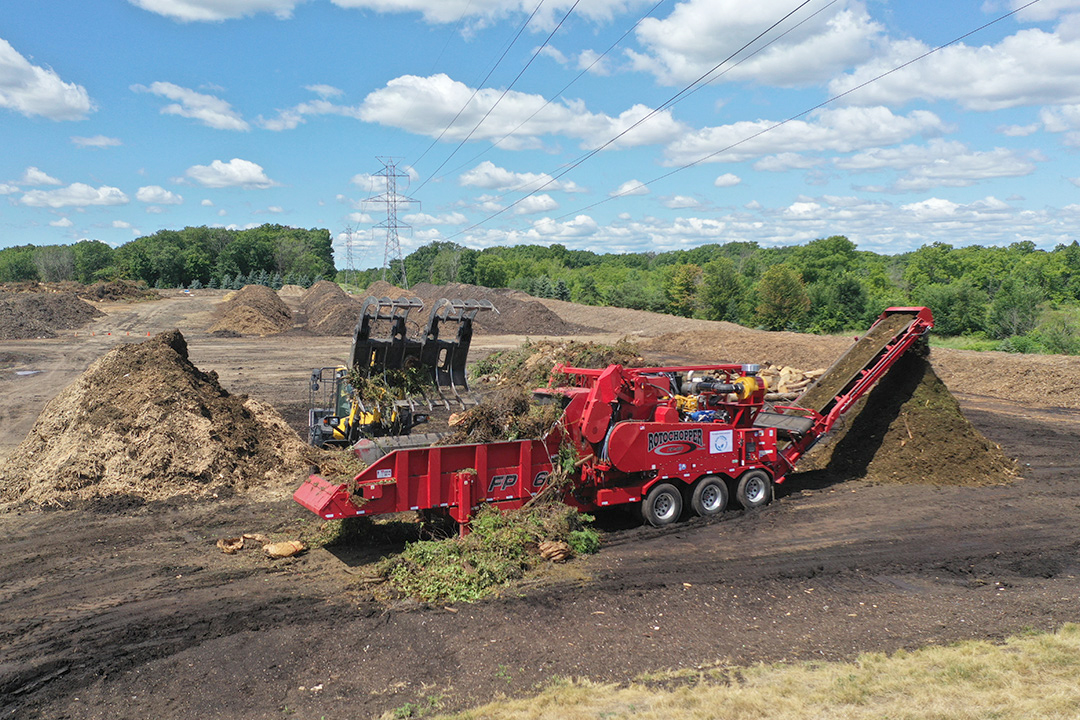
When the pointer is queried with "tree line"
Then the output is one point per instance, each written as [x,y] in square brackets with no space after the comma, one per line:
[192,257]
[1016,298]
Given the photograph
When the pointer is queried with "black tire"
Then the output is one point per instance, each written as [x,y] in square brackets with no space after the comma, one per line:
[710,496]
[754,490]
[662,506]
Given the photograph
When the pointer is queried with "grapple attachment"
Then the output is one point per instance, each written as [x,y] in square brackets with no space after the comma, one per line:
[441,354]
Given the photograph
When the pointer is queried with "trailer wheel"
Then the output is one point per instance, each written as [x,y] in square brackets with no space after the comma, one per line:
[754,490]
[710,496]
[663,505]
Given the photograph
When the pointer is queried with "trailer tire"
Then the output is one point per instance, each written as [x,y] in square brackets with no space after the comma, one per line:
[662,506]
[754,489]
[710,496]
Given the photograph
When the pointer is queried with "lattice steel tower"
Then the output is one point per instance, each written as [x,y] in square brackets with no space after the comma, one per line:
[391,199]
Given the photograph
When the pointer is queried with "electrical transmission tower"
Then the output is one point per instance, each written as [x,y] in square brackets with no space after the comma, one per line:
[349,270]
[391,199]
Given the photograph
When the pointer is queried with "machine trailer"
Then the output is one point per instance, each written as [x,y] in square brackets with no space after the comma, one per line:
[665,437]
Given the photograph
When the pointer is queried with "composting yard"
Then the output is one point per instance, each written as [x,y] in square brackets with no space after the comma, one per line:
[947,508]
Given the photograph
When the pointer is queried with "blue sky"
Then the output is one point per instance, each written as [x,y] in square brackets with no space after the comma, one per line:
[119,118]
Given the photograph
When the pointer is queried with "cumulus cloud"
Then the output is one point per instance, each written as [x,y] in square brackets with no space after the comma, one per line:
[727,180]
[782,162]
[34,176]
[6,189]
[235,173]
[580,226]
[1030,67]
[681,202]
[424,219]
[489,176]
[686,44]
[75,195]
[360,218]
[838,130]
[324,91]
[1063,119]
[630,187]
[61,223]
[535,204]
[157,195]
[97,141]
[216,10]
[209,110]
[940,163]
[32,90]
[427,105]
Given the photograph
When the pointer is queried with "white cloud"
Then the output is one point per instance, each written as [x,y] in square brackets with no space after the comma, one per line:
[689,42]
[1063,119]
[1045,10]
[1030,67]
[292,117]
[423,219]
[427,105]
[535,204]
[580,226]
[75,195]
[235,173]
[6,189]
[552,52]
[1075,181]
[206,202]
[32,90]
[157,194]
[154,210]
[482,12]
[209,110]
[727,180]
[275,209]
[216,10]
[98,141]
[360,218]
[1019,130]
[941,163]
[33,176]
[591,61]
[682,202]
[785,161]
[630,187]
[121,224]
[62,223]
[489,176]
[839,130]
[324,91]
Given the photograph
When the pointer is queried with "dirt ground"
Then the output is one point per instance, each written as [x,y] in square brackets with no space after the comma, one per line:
[127,609]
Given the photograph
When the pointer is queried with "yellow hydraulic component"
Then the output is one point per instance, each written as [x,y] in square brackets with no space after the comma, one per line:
[686,403]
[748,385]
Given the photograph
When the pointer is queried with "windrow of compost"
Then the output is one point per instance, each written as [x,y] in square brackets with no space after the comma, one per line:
[329,309]
[42,314]
[253,310]
[144,422]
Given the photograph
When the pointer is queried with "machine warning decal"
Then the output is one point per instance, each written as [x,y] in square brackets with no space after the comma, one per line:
[720,441]
[384,473]
[675,442]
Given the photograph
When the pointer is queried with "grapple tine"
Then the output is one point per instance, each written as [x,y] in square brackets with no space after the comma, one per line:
[447,358]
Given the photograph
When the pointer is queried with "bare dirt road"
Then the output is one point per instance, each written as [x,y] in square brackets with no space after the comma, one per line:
[124,609]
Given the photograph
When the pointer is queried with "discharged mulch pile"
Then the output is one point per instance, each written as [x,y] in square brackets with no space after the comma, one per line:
[253,310]
[515,316]
[143,421]
[40,314]
[329,309]
[909,429]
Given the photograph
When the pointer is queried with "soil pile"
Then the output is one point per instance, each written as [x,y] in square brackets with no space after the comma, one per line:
[118,291]
[40,314]
[515,315]
[253,310]
[909,429]
[329,309]
[143,421]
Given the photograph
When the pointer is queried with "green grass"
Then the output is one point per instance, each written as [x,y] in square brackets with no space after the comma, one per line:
[1027,676]
[500,549]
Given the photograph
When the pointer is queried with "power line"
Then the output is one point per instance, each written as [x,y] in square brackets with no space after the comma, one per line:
[820,105]
[562,90]
[481,83]
[509,87]
[673,99]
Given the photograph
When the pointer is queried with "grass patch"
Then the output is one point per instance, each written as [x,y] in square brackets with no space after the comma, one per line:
[501,548]
[1028,676]
[963,342]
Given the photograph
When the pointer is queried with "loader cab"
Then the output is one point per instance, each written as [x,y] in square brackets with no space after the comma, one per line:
[337,418]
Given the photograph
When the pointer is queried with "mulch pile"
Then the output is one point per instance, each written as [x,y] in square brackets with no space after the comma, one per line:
[515,316]
[909,429]
[253,310]
[143,421]
[39,314]
[329,309]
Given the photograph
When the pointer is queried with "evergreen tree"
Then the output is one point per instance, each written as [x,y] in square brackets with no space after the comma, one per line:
[562,290]
[782,299]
